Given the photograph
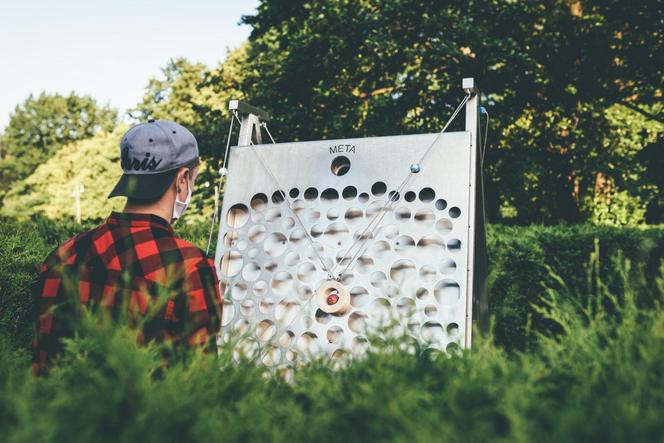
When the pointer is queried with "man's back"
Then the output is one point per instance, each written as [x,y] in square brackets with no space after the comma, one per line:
[133,263]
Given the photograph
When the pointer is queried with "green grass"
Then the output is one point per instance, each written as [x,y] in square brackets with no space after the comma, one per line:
[576,354]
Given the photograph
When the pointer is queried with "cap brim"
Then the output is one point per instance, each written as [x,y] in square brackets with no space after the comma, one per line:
[144,186]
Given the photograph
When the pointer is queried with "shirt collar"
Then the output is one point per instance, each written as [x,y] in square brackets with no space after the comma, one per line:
[138,220]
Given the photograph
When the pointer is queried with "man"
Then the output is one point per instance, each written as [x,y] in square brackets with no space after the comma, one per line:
[133,264]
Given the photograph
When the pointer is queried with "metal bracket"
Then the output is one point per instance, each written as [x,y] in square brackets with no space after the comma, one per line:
[250,122]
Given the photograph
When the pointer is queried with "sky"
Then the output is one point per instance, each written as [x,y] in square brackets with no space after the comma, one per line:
[108,49]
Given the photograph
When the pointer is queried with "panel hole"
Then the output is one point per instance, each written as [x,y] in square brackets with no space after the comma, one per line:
[393,196]
[293,193]
[308,343]
[380,309]
[286,339]
[357,322]
[453,348]
[247,308]
[378,188]
[363,197]
[237,215]
[452,329]
[410,196]
[380,248]
[272,215]
[239,291]
[313,215]
[454,245]
[378,280]
[447,292]
[265,330]
[286,312]
[297,236]
[431,244]
[360,345]
[336,231]
[427,273]
[322,317]
[422,293]
[258,202]
[390,231]
[353,215]
[349,192]
[359,296]
[402,214]
[430,310]
[404,244]
[271,265]
[405,306]
[260,288]
[455,212]
[444,226]
[227,313]
[364,264]
[441,204]
[306,272]
[288,223]
[374,208]
[311,194]
[231,264]
[334,334]
[333,214]
[432,332]
[251,271]
[293,258]
[256,233]
[230,239]
[329,194]
[427,195]
[305,293]
[275,244]
[340,165]
[316,230]
[447,266]
[277,197]
[282,283]
[425,217]
[402,271]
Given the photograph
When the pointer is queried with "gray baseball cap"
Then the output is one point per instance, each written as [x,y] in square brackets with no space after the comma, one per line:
[150,155]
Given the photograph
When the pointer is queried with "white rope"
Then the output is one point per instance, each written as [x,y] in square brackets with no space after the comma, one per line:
[217,191]
[280,189]
[392,199]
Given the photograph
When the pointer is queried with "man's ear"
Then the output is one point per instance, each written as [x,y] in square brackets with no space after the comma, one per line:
[182,183]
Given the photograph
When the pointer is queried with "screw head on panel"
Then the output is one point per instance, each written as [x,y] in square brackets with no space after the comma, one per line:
[415,168]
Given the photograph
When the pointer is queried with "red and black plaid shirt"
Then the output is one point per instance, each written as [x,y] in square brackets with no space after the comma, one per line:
[133,261]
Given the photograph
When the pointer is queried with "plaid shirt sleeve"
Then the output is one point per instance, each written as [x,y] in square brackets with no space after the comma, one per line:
[203,304]
[51,297]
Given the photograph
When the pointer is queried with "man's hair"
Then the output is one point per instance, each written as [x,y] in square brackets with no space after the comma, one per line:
[141,202]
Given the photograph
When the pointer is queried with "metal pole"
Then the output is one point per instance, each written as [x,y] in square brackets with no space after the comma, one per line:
[472,126]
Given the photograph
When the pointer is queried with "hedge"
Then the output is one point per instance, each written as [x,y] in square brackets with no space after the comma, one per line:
[521,262]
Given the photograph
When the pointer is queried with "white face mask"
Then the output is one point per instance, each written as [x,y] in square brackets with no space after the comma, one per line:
[180,206]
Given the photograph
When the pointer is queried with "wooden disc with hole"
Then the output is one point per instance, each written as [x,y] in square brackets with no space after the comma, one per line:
[333,298]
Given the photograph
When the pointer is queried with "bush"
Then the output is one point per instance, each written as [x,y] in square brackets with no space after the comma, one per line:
[520,260]
[598,379]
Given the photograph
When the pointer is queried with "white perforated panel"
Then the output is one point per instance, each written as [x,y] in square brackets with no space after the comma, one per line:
[411,271]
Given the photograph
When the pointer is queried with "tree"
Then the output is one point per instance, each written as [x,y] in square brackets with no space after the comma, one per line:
[92,163]
[40,125]
[555,75]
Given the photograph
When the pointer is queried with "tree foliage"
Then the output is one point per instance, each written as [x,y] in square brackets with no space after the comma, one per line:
[93,163]
[554,73]
[40,125]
